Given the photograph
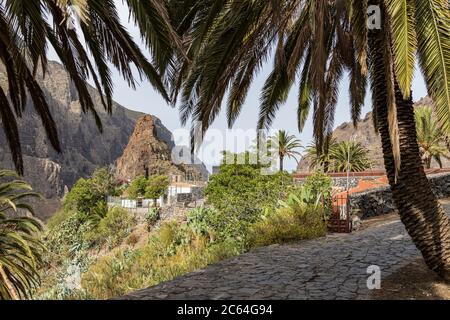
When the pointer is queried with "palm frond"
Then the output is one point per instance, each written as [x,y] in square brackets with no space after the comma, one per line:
[404,41]
[433,34]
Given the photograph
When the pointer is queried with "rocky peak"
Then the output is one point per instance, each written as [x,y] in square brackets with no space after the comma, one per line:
[149,151]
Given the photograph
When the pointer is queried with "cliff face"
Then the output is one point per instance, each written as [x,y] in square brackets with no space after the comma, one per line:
[365,134]
[84,148]
[148,152]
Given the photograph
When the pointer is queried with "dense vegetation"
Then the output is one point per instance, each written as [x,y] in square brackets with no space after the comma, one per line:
[101,256]
[151,188]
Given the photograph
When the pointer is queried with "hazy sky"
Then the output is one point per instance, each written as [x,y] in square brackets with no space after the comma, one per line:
[147,100]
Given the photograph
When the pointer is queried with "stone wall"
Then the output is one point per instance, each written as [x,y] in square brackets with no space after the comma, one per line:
[379,201]
[352,181]
[339,179]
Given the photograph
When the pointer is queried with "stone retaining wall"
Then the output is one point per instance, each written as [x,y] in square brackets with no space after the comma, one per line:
[379,201]
[339,179]
[352,181]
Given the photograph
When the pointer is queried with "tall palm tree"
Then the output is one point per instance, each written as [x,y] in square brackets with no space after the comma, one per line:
[20,246]
[423,28]
[318,40]
[430,136]
[349,156]
[285,145]
[29,28]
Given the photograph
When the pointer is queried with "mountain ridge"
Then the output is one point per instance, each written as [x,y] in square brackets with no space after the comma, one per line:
[83,147]
[365,134]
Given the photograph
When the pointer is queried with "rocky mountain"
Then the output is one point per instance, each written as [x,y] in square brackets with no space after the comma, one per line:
[148,154]
[365,134]
[84,148]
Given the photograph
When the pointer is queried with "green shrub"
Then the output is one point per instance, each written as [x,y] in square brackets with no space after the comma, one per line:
[105,278]
[156,186]
[216,225]
[286,225]
[67,237]
[152,216]
[87,193]
[151,188]
[137,187]
[316,191]
[241,194]
[225,249]
[113,228]
[58,218]
[320,185]
[203,221]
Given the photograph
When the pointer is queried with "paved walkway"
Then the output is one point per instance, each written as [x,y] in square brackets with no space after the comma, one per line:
[333,267]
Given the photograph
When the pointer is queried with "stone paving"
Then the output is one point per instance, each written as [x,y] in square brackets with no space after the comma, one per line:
[333,267]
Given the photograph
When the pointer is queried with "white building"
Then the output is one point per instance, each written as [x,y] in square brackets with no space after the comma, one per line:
[184,188]
[177,192]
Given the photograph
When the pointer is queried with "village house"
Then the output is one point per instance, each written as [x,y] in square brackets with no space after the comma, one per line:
[179,193]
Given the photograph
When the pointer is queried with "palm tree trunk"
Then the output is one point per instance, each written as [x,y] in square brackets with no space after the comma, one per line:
[281,163]
[424,218]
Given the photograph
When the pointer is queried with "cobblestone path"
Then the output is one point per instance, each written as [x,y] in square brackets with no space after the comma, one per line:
[333,267]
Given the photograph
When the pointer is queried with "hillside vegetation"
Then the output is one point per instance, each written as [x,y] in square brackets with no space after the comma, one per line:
[99,253]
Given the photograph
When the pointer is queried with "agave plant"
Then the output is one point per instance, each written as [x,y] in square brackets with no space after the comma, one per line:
[302,197]
[20,245]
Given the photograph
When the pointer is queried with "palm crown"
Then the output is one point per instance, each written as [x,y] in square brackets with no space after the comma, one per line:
[430,136]
[315,42]
[285,145]
[341,157]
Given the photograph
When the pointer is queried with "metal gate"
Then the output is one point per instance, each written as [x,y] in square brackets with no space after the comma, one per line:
[340,220]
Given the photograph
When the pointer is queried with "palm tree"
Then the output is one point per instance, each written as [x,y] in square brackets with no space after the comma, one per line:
[20,246]
[28,28]
[285,145]
[430,136]
[419,28]
[319,40]
[319,158]
[349,156]
[341,157]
